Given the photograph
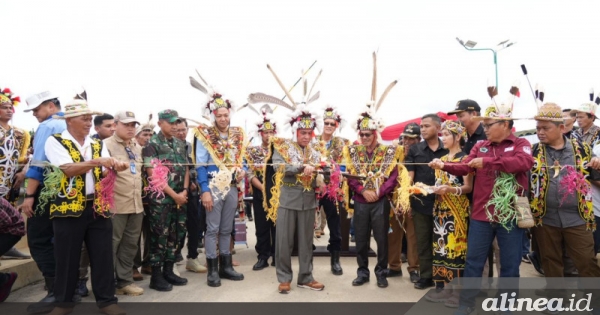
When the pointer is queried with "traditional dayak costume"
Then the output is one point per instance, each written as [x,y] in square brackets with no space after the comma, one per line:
[561,202]
[382,173]
[219,156]
[14,143]
[256,158]
[80,211]
[289,194]
[331,201]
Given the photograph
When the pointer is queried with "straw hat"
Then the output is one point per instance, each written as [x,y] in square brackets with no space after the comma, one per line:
[76,107]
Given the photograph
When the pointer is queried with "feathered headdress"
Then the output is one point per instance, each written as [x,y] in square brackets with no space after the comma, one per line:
[590,106]
[264,121]
[214,99]
[500,110]
[368,120]
[7,97]
[301,117]
[454,127]
[331,112]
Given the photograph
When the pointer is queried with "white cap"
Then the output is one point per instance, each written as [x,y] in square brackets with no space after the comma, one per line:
[36,100]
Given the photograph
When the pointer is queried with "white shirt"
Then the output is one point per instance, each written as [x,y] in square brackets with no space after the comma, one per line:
[58,155]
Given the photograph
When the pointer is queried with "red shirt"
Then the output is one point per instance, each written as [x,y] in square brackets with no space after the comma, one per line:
[512,155]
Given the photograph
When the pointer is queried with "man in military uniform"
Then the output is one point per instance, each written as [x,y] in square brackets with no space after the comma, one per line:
[333,147]
[219,152]
[265,229]
[168,213]
[290,198]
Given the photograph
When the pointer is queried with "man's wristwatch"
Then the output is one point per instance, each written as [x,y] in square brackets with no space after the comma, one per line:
[29,196]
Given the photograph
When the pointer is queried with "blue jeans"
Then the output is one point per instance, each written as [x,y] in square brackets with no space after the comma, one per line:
[526,243]
[480,238]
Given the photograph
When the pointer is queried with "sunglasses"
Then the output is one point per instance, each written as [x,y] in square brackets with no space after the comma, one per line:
[330,124]
[365,135]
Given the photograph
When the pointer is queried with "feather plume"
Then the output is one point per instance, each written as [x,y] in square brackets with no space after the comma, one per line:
[597,101]
[385,93]
[264,98]
[197,85]
[314,97]
[304,86]
[492,91]
[201,78]
[514,90]
[310,96]
[374,83]
[536,94]
[282,86]
[266,109]
[542,94]
[82,95]
[591,95]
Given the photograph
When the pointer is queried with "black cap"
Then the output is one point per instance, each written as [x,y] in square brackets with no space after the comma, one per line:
[411,130]
[465,105]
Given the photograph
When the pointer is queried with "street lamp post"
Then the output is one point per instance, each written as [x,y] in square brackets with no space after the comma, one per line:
[469,45]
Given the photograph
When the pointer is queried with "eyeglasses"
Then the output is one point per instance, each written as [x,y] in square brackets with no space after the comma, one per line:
[487,126]
[365,135]
[330,124]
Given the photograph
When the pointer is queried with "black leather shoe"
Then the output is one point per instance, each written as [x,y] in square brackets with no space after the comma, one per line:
[360,281]
[414,276]
[423,284]
[260,264]
[382,282]
[394,273]
[535,261]
[336,268]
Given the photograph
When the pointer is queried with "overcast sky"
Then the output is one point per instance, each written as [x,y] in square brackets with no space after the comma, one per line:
[137,55]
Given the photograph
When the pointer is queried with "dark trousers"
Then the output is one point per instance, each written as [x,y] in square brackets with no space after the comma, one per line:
[40,239]
[597,236]
[424,230]
[7,241]
[333,222]
[69,234]
[371,216]
[265,231]
[142,256]
[193,225]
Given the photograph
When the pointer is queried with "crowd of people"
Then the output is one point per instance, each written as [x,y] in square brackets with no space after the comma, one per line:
[126,197]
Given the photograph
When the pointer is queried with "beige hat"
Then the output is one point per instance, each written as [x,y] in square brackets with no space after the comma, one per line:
[589,107]
[76,107]
[549,112]
[126,117]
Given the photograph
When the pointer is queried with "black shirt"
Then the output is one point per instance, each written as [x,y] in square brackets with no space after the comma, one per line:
[478,135]
[421,153]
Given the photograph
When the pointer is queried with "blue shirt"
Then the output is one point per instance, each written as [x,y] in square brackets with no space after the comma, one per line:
[203,157]
[46,129]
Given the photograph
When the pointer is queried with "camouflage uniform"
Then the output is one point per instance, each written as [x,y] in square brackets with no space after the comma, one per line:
[167,220]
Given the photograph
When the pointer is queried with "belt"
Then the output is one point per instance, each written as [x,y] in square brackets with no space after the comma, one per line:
[89,197]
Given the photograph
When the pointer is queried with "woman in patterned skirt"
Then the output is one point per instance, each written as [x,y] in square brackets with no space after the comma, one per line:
[450,216]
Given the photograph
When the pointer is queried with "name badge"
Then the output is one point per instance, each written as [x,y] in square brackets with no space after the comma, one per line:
[132,167]
[483,149]
[509,149]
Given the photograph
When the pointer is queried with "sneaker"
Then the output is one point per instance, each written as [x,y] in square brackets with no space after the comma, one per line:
[13,253]
[318,234]
[403,257]
[414,276]
[131,290]
[525,259]
[137,276]
[5,288]
[313,285]
[194,265]
[284,288]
